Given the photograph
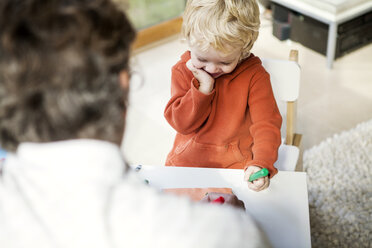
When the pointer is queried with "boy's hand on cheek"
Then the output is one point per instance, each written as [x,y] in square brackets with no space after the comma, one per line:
[206,81]
[259,184]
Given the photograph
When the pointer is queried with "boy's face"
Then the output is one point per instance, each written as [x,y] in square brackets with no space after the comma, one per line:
[215,62]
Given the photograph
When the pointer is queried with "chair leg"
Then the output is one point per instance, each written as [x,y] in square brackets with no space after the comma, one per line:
[291,123]
[299,165]
[297,139]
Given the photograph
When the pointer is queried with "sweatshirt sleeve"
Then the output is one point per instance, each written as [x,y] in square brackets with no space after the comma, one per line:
[266,123]
[188,108]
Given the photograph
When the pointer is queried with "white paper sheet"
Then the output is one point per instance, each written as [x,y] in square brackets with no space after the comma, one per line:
[281,210]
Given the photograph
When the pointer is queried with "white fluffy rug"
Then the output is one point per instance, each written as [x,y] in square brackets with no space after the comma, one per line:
[340,189]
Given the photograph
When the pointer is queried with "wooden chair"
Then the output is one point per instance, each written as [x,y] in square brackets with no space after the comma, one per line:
[285,80]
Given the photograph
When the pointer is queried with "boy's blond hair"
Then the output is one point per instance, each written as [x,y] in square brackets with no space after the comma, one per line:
[222,24]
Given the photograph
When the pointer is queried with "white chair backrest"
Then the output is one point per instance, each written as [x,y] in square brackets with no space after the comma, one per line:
[285,78]
[285,81]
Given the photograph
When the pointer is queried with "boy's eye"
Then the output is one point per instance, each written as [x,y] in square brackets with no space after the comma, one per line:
[202,60]
[225,63]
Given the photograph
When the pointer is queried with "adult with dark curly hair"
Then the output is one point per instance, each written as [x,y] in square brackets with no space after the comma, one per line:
[63,92]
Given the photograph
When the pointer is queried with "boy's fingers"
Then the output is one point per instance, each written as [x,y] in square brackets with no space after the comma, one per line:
[246,176]
[252,186]
[190,66]
[265,184]
[249,171]
[259,184]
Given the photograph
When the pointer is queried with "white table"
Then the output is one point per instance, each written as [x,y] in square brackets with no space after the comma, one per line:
[282,210]
[331,19]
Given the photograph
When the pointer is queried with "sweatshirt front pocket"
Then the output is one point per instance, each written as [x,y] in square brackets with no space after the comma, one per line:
[197,154]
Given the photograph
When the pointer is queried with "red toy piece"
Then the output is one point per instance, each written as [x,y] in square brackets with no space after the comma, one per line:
[219,200]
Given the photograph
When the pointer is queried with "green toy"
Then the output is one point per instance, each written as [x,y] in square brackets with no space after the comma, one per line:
[261,173]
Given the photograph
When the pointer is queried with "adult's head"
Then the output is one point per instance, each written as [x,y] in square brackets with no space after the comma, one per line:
[60,63]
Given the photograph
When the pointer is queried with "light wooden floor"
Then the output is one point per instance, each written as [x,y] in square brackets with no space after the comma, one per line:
[330,102]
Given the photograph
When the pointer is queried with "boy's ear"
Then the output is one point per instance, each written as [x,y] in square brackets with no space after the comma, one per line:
[124,79]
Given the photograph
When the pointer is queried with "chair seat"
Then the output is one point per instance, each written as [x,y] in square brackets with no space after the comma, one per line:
[287,157]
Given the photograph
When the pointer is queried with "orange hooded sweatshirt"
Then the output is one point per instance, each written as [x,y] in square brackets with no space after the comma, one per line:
[235,126]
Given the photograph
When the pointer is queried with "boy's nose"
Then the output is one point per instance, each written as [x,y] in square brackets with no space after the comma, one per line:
[211,68]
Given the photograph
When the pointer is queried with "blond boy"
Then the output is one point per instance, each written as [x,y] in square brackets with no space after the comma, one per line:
[222,105]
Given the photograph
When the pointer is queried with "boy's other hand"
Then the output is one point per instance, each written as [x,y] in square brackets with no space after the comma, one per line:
[259,184]
[206,81]
[229,199]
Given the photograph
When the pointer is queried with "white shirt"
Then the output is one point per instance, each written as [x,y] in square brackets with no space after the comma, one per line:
[77,194]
